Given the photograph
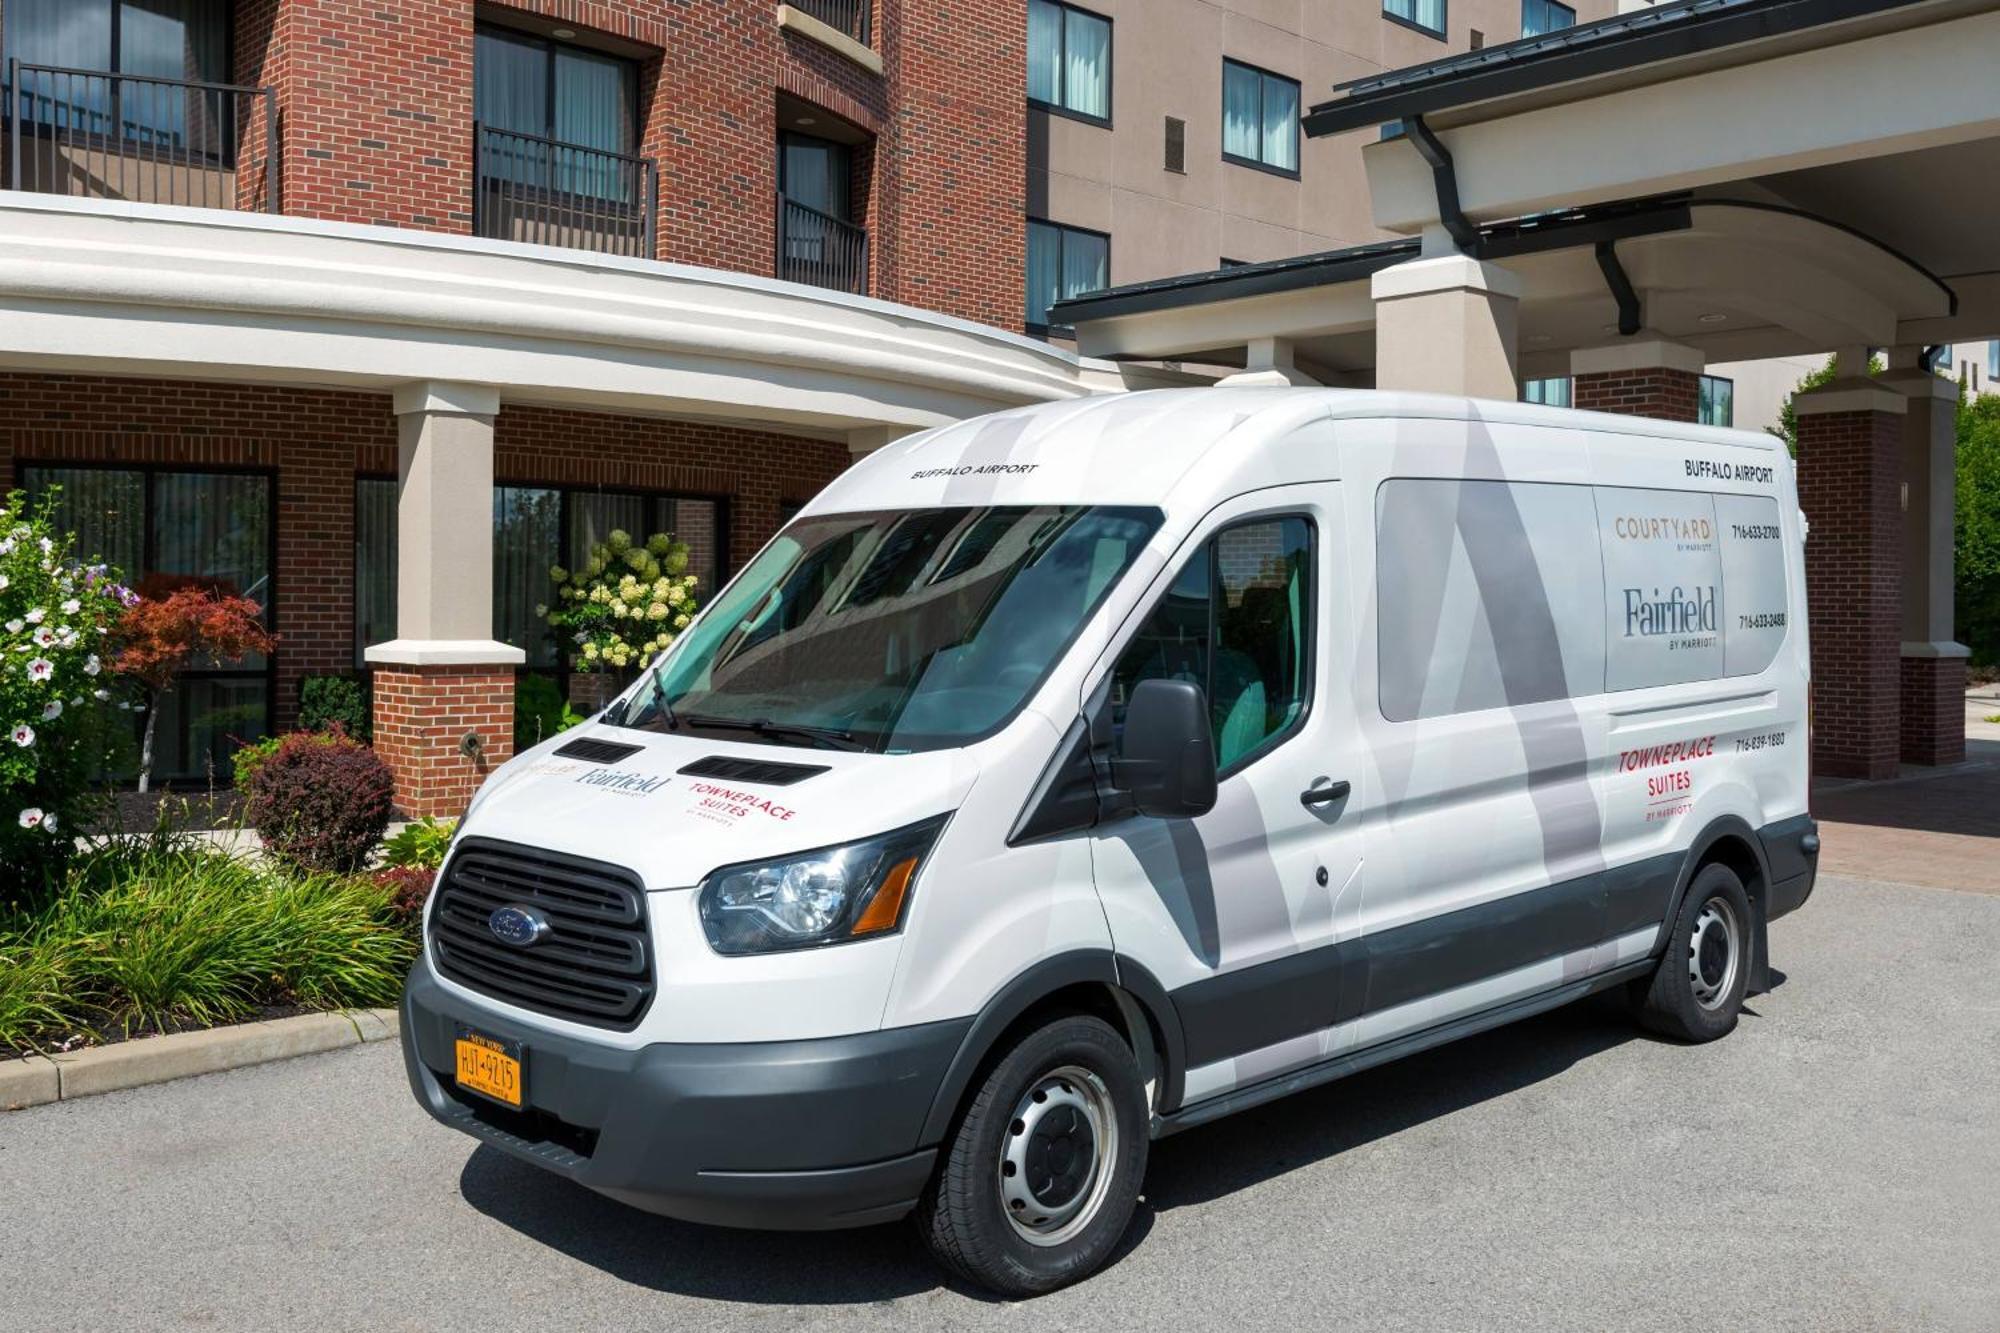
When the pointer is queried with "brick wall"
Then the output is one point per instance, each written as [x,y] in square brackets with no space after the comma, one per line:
[1933,710]
[1848,476]
[1657,392]
[375,100]
[422,716]
[307,437]
[316,440]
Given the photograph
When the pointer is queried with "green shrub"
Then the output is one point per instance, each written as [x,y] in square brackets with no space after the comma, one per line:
[420,844]
[329,702]
[540,711]
[321,801]
[249,758]
[162,930]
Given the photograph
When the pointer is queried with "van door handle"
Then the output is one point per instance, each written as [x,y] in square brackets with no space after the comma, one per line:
[1327,795]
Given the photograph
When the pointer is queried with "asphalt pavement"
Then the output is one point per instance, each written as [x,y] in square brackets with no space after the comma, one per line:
[1834,1164]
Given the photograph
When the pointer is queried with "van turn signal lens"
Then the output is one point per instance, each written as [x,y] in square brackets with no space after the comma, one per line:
[886,907]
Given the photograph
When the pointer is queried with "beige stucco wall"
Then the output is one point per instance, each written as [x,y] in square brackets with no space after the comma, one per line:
[1167,61]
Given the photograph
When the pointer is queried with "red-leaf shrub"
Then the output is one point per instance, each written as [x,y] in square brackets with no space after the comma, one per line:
[322,801]
[409,887]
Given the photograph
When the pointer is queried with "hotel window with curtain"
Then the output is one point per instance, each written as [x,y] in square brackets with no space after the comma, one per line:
[1540,16]
[524,85]
[1260,119]
[182,40]
[1063,262]
[1069,60]
[1716,403]
[163,529]
[1426,16]
[534,527]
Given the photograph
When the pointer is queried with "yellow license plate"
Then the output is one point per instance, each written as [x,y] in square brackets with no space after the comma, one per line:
[489,1066]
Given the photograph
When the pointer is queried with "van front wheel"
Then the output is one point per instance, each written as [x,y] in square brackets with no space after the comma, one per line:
[1039,1180]
[1697,991]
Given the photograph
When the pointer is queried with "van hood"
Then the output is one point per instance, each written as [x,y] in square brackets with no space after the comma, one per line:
[641,811]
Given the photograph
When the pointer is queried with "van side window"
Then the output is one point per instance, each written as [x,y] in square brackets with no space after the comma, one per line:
[1489,594]
[1237,621]
[1753,582]
[1663,596]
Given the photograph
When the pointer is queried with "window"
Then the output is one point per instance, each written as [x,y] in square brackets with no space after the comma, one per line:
[1425,16]
[1260,118]
[1069,60]
[1482,601]
[210,528]
[1547,392]
[534,527]
[1063,262]
[1993,359]
[1175,157]
[526,89]
[1237,620]
[1717,401]
[155,39]
[897,631]
[1540,16]
[1662,587]
[818,173]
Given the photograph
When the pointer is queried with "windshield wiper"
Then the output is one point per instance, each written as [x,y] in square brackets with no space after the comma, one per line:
[832,738]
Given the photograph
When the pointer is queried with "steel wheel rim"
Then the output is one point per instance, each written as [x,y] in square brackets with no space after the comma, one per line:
[1056,1156]
[1715,953]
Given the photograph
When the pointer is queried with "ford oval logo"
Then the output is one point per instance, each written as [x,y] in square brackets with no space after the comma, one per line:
[518,926]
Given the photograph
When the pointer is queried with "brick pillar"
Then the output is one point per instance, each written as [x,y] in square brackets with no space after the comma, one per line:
[1640,377]
[444,690]
[1850,444]
[423,717]
[1933,668]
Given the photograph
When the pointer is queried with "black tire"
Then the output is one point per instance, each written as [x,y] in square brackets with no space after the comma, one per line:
[1697,991]
[963,1215]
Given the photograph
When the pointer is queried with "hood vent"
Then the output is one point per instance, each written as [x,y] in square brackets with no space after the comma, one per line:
[752,770]
[598,752]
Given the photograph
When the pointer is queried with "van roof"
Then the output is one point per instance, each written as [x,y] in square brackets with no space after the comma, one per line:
[1134,447]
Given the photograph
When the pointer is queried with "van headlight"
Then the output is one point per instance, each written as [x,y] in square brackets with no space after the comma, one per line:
[853,891]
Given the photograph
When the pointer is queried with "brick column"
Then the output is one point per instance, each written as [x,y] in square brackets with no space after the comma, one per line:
[1447,324]
[1849,471]
[444,690]
[1640,377]
[1933,665]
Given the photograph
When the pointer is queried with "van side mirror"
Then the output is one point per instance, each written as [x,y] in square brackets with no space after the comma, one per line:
[1166,758]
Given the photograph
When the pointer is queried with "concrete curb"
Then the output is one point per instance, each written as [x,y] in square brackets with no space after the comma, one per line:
[41,1079]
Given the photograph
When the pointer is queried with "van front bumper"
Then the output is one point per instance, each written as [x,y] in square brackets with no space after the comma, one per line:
[803,1135]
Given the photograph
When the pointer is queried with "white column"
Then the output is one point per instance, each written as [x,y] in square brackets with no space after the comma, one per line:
[867,439]
[1447,324]
[444,529]
[1268,361]
[1927,495]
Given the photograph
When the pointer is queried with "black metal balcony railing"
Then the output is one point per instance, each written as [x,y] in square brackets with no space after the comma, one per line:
[820,249]
[544,191]
[846,17]
[101,135]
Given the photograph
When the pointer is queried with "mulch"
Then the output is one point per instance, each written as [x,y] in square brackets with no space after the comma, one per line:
[200,809]
[103,1029]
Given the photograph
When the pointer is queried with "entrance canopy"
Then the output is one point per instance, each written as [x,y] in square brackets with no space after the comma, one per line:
[1747,178]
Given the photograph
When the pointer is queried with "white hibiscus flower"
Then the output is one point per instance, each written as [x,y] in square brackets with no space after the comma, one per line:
[24,735]
[49,821]
[51,710]
[15,626]
[99,695]
[31,817]
[91,666]
[69,608]
[40,669]
[44,637]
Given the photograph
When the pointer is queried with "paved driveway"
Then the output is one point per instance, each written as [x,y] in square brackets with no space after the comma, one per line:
[1833,1165]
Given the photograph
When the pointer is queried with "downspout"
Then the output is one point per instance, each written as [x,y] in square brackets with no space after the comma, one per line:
[1464,234]
[1629,312]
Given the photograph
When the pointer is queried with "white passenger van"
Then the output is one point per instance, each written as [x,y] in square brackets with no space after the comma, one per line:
[1065,778]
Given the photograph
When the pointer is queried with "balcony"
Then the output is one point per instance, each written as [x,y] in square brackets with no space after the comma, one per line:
[546,192]
[821,250]
[849,18]
[838,25]
[99,135]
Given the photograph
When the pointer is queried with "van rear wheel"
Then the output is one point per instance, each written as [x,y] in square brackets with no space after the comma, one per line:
[1697,991]
[1039,1179]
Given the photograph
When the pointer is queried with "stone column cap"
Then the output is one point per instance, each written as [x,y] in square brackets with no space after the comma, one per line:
[1920,384]
[1637,353]
[1935,648]
[1850,396]
[451,396]
[444,652]
[1445,273]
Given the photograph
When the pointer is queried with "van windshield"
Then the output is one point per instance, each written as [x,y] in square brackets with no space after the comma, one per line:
[895,631]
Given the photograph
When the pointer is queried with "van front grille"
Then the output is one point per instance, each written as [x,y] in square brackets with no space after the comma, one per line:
[595,965]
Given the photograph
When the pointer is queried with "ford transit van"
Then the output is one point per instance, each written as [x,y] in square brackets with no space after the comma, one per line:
[1065,778]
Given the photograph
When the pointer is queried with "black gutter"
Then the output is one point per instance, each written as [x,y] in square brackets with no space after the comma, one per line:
[1588,50]
[1502,240]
